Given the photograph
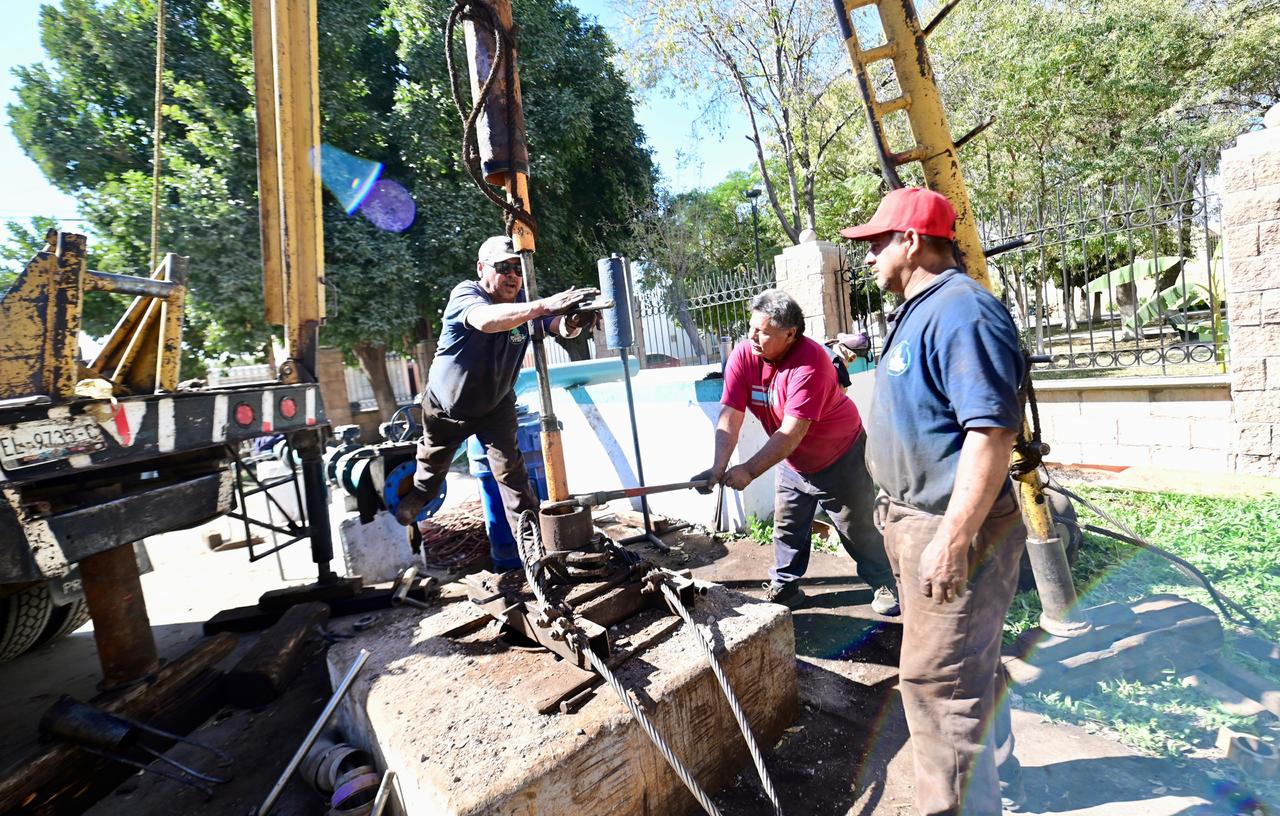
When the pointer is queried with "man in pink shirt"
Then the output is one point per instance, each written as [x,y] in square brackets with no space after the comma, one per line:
[788,382]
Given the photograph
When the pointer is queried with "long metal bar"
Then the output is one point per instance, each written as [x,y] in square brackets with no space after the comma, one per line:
[648,534]
[310,739]
[127,284]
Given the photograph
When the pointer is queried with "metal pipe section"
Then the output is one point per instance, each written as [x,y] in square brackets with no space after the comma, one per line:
[635,440]
[618,331]
[1061,613]
[552,452]
[315,488]
[121,627]
[130,285]
[319,725]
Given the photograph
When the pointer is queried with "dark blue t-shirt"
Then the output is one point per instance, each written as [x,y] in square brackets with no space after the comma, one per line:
[473,370]
[952,362]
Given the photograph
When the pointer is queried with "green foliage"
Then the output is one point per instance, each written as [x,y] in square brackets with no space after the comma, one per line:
[84,116]
[1092,91]
[761,532]
[1235,542]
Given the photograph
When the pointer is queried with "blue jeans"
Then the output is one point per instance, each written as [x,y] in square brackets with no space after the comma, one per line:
[845,490]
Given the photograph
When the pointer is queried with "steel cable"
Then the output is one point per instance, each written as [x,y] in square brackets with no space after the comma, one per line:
[673,598]
[1226,605]
[681,771]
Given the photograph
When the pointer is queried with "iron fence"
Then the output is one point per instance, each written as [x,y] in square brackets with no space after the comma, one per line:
[697,321]
[1120,279]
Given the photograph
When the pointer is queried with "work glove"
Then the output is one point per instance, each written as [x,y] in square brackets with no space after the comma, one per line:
[568,300]
[580,320]
[713,478]
[411,505]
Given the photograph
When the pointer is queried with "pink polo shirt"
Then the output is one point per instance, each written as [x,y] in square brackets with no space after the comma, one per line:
[803,385]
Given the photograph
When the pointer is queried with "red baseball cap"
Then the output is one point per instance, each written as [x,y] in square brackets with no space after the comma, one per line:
[924,211]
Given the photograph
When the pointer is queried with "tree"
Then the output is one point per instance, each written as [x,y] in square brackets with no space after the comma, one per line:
[85,119]
[779,59]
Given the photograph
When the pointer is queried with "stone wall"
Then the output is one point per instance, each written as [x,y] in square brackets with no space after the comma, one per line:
[1173,423]
[812,272]
[1251,235]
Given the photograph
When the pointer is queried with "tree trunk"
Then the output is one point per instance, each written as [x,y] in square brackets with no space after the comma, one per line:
[690,327]
[373,359]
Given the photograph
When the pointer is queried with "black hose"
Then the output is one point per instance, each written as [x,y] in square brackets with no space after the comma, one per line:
[1229,608]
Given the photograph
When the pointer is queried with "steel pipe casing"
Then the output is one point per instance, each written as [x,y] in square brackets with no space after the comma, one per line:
[615,286]
[565,529]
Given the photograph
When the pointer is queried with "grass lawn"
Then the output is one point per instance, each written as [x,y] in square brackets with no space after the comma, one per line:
[1236,543]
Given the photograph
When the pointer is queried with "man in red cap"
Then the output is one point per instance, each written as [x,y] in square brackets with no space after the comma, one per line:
[943,420]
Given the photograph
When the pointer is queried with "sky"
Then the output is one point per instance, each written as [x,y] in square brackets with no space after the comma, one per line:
[689,151]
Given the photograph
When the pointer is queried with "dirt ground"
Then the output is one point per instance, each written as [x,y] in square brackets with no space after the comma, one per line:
[847,753]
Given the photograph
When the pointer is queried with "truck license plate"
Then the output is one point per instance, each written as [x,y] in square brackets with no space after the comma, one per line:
[48,440]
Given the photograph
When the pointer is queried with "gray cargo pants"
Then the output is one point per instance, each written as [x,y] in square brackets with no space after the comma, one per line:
[845,490]
[950,677]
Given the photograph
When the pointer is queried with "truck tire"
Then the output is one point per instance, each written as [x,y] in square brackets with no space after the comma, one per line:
[65,619]
[23,619]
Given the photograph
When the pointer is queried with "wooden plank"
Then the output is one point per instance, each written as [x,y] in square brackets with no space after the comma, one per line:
[272,663]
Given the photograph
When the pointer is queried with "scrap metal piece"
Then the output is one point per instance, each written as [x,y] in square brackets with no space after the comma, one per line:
[115,738]
[311,736]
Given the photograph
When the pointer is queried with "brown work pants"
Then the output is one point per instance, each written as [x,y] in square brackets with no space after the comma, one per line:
[950,676]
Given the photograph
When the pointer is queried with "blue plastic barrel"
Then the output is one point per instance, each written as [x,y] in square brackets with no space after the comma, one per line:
[502,544]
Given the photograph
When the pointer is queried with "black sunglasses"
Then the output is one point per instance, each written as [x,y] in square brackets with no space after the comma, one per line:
[507,267]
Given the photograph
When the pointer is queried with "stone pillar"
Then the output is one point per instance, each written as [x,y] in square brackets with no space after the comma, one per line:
[1251,235]
[331,372]
[812,272]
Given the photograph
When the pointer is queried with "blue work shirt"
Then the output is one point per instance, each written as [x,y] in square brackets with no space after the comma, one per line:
[473,370]
[952,363]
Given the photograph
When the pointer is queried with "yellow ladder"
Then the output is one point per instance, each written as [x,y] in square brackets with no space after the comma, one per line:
[934,148]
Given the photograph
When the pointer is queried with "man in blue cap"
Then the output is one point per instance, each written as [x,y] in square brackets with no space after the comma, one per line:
[471,384]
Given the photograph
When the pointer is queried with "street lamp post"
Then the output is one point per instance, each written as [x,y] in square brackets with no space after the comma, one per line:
[752,194]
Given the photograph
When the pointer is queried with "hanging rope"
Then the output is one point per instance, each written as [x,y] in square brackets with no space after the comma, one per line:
[155,138]
[481,13]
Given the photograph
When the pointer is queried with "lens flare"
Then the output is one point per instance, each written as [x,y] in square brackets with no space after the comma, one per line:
[350,178]
[389,206]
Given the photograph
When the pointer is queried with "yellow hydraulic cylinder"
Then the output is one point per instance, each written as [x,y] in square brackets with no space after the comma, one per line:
[287,91]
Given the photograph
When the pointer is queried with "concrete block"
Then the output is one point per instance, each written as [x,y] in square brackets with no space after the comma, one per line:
[1252,274]
[1237,175]
[1266,170]
[1212,434]
[1098,430]
[1245,308]
[1136,395]
[1269,237]
[1207,403]
[1257,465]
[1241,242]
[1273,373]
[1270,313]
[376,551]
[1255,341]
[1249,374]
[1260,204]
[1257,406]
[1253,438]
[1065,452]
[452,716]
[1164,431]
